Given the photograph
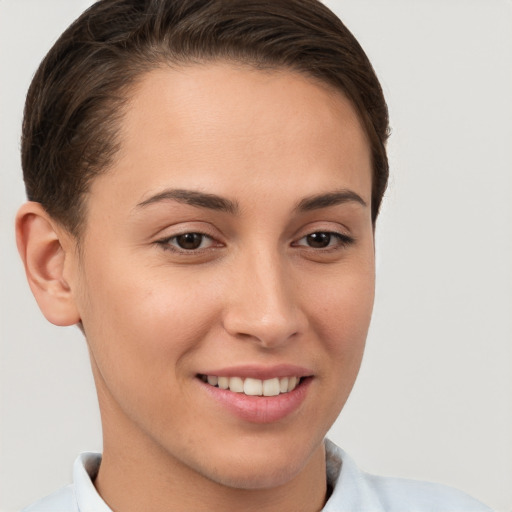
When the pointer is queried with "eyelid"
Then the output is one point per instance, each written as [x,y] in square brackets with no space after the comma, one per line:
[334,227]
[188,226]
[168,240]
[183,228]
[165,243]
[343,239]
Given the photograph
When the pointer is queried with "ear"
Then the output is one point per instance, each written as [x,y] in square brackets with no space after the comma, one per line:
[47,252]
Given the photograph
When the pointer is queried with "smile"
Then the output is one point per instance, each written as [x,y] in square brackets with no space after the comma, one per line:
[254,387]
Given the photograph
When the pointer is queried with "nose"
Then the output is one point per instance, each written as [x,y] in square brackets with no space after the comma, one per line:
[263,303]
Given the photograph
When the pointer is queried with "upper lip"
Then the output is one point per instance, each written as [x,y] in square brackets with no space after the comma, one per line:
[260,372]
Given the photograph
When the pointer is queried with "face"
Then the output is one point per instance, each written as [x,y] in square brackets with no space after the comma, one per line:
[230,246]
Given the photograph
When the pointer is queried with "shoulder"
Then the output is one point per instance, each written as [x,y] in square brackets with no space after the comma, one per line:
[80,495]
[62,500]
[356,490]
[413,495]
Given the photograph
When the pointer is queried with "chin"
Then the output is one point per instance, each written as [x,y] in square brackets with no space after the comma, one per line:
[248,476]
[260,467]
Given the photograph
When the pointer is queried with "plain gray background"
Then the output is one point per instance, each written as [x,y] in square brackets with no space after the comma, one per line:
[434,397]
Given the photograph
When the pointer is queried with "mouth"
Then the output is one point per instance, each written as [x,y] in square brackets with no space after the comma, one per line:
[254,387]
[256,394]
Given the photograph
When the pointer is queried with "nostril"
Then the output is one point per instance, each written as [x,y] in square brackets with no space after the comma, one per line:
[267,332]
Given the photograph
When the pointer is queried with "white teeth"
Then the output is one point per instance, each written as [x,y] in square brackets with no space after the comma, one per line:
[213,380]
[254,387]
[292,383]
[271,387]
[236,384]
[223,382]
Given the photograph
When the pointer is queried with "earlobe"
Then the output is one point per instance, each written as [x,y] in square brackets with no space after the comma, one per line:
[45,256]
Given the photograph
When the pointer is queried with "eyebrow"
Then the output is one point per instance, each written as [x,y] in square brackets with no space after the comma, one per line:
[215,202]
[194,198]
[319,201]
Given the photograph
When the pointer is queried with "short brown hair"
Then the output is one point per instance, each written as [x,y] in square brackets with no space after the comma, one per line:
[75,101]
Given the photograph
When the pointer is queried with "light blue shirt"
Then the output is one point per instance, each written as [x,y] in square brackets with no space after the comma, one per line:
[353,491]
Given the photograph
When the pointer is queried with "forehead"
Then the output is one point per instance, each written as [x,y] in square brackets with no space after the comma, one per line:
[217,125]
[222,96]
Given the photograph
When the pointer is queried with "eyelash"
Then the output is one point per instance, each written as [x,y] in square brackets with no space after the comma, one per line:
[165,243]
[343,241]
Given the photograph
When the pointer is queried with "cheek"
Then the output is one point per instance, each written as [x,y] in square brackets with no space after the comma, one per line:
[344,338]
[343,306]
[143,327]
[342,310]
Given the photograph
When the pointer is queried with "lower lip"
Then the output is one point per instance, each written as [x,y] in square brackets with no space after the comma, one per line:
[260,409]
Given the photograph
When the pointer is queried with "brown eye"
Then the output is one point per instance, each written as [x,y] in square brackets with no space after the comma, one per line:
[324,240]
[319,240]
[189,241]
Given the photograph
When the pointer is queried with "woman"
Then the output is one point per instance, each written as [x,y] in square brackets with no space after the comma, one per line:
[203,206]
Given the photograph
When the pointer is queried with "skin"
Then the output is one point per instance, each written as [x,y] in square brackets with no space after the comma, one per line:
[255,292]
